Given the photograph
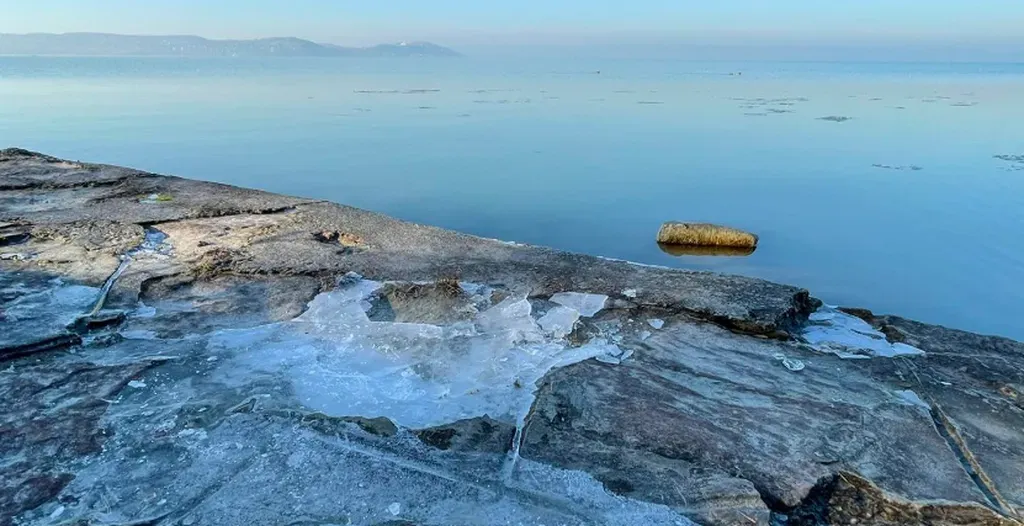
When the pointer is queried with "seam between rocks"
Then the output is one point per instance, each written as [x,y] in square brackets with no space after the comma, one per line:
[734,325]
[221,213]
[49,343]
[230,213]
[210,490]
[57,185]
[949,432]
[495,487]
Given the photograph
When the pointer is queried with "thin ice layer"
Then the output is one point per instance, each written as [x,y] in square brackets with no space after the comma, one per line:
[340,362]
[258,467]
[585,304]
[911,398]
[559,321]
[833,331]
[35,308]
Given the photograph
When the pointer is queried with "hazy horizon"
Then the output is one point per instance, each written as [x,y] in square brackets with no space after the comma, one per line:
[943,30]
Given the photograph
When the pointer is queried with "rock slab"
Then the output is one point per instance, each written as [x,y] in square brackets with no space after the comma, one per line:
[132,393]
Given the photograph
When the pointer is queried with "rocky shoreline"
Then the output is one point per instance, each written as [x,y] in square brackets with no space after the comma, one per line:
[184,352]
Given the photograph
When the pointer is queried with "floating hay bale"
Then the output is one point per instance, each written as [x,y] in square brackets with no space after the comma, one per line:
[705,235]
[696,250]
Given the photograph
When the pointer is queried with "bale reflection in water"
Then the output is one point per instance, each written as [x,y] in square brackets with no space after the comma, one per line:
[695,250]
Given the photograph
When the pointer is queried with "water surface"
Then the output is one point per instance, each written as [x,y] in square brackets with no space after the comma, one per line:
[872,185]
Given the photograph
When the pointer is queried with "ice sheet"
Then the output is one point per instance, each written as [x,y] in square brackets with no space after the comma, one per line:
[586,304]
[832,331]
[419,375]
[559,321]
[33,309]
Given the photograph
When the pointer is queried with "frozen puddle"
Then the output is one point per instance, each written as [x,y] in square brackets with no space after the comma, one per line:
[833,331]
[419,375]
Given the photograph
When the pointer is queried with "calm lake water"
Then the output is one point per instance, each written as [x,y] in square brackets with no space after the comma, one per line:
[903,208]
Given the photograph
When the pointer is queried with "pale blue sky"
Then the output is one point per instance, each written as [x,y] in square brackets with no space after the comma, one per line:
[504,22]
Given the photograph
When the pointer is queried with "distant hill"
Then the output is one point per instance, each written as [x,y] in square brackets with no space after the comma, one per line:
[102,44]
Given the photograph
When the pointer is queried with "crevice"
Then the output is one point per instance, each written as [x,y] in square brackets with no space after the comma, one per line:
[813,509]
[14,238]
[151,241]
[949,432]
[213,214]
[779,326]
[208,214]
[744,327]
[311,273]
[109,284]
[50,185]
[179,514]
[848,498]
[49,343]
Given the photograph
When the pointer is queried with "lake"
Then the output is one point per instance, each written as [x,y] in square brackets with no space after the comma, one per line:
[904,207]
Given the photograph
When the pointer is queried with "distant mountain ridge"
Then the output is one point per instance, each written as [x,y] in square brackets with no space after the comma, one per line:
[105,44]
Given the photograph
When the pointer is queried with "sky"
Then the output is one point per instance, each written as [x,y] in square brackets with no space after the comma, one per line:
[633,24]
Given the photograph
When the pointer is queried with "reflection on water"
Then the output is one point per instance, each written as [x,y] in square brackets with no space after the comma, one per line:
[696,250]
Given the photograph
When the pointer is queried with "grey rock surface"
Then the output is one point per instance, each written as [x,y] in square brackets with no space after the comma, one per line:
[182,352]
[481,434]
